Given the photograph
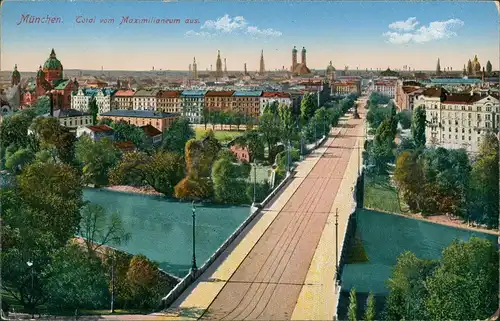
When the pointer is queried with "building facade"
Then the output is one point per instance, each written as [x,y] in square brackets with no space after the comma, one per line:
[80,100]
[72,119]
[270,97]
[458,120]
[96,133]
[406,92]
[219,100]
[124,99]
[170,102]
[146,99]
[193,103]
[385,87]
[344,88]
[247,103]
[105,99]
[139,118]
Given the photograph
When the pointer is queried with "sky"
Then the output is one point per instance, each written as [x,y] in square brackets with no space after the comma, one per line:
[364,34]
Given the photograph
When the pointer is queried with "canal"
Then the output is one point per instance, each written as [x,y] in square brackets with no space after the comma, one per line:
[161,229]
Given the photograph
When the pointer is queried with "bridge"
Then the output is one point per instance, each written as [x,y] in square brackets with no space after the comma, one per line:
[282,266]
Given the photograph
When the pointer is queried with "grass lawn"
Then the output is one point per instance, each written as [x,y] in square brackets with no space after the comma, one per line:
[221,135]
[381,195]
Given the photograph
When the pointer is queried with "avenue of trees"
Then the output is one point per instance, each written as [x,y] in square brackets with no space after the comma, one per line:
[432,181]
[461,285]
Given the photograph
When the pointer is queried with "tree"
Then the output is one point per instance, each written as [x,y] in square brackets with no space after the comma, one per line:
[404,118]
[465,285]
[272,108]
[97,159]
[127,132]
[75,281]
[230,181]
[418,126]
[52,134]
[489,68]
[98,228]
[269,127]
[93,109]
[14,129]
[408,178]
[483,193]
[407,288]
[206,116]
[42,105]
[286,121]
[17,161]
[165,171]
[308,106]
[177,135]
[370,308]
[353,306]
[145,286]
[55,191]
[130,170]
[252,140]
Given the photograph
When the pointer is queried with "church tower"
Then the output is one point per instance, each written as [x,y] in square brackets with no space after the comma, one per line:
[16,77]
[218,66]
[294,58]
[195,69]
[245,69]
[438,68]
[304,56]
[262,70]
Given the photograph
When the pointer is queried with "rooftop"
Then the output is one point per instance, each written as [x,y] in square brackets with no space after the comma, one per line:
[219,94]
[125,93]
[147,93]
[276,94]
[100,128]
[247,93]
[61,113]
[150,130]
[138,113]
[196,93]
[171,94]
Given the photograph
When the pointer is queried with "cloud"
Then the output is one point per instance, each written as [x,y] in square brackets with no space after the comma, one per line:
[226,25]
[407,25]
[434,31]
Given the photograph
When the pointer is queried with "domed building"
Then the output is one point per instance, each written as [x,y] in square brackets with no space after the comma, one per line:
[50,78]
[330,72]
[53,68]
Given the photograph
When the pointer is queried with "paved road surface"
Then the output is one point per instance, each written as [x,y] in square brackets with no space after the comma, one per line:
[268,282]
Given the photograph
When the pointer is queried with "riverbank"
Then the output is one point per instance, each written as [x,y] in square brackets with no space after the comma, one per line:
[442,220]
[146,190]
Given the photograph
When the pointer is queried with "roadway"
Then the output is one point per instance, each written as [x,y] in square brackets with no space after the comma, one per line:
[263,275]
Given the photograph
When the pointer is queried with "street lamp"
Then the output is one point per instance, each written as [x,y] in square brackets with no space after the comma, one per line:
[113,282]
[194,267]
[254,181]
[289,157]
[30,264]
[315,136]
[337,274]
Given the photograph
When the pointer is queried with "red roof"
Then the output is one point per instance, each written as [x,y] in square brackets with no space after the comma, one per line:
[171,94]
[100,128]
[345,83]
[219,94]
[124,93]
[151,131]
[125,145]
[276,95]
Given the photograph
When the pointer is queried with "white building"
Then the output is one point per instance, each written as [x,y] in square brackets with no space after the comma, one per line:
[193,103]
[458,120]
[81,99]
[270,97]
[95,132]
[385,87]
[146,99]
[105,100]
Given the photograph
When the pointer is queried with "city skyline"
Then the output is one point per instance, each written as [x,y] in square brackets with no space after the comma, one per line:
[415,34]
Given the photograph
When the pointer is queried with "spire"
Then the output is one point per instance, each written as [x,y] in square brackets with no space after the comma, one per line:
[52,53]
[15,67]
[194,60]
[262,69]
[218,53]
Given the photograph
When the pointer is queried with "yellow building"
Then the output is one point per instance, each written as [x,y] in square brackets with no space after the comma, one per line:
[139,118]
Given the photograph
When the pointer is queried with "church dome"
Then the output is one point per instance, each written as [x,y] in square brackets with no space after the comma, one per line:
[52,63]
[330,67]
[294,49]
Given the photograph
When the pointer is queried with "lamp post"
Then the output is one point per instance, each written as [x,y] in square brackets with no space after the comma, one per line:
[254,181]
[315,135]
[194,267]
[337,274]
[30,264]
[288,156]
[113,283]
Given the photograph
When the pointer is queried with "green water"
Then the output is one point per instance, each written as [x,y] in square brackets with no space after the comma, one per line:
[161,229]
[386,236]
